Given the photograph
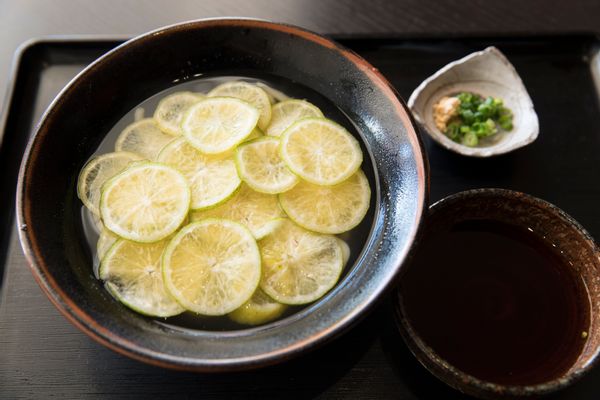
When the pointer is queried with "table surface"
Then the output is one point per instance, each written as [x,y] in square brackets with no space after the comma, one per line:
[26,19]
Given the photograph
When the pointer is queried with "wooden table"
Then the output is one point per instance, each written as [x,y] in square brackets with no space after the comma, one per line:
[58,361]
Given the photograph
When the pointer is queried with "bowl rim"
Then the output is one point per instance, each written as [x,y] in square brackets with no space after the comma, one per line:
[457,147]
[453,376]
[80,318]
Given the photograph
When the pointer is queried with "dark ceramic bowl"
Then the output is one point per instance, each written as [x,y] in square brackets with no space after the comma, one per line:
[49,212]
[549,222]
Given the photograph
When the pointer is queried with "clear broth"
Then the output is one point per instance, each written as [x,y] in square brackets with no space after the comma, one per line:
[355,238]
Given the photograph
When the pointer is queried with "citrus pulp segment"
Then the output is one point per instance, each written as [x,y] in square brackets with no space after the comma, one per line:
[217,124]
[143,138]
[258,310]
[170,111]
[249,93]
[212,267]
[212,178]
[285,113]
[145,203]
[320,151]
[132,274]
[96,172]
[260,166]
[328,209]
[259,212]
[299,266]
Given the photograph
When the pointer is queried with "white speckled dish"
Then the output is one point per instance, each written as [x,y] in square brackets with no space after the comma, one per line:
[487,73]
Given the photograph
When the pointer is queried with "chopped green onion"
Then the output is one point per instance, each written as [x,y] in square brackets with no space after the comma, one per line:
[470,139]
[477,118]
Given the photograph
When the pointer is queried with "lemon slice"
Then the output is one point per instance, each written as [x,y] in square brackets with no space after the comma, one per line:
[145,203]
[97,171]
[299,266]
[258,310]
[95,221]
[287,112]
[345,250]
[212,178]
[274,94]
[170,111]
[249,93]
[261,167]
[217,124]
[328,209]
[255,134]
[143,138]
[132,274]
[212,267]
[105,242]
[320,151]
[259,212]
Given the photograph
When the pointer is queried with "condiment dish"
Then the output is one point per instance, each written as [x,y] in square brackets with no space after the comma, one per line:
[486,73]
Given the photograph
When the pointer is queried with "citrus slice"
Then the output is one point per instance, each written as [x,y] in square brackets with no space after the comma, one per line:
[274,94]
[212,267]
[255,134]
[132,274]
[258,310]
[145,203]
[143,138]
[261,167]
[345,250]
[105,242]
[97,171]
[217,124]
[259,212]
[249,93]
[94,220]
[212,178]
[320,151]
[287,112]
[299,266]
[328,209]
[170,111]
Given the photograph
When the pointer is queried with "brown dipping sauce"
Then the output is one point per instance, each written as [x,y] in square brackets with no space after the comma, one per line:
[497,302]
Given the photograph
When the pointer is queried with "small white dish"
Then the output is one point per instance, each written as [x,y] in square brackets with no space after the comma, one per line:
[487,73]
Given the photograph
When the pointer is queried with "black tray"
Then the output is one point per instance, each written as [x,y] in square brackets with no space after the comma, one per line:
[43,356]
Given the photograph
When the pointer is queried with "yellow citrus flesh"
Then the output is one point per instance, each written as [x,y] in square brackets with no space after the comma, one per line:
[328,209]
[261,167]
[218,124]
[212,178]
[258,212]
[143,138]
[96,172]
[170,111]
[249,93]
[285,113]
[212,267]
[105,242]
[145,203]
[132,273]
[320,151]
[258,310]
[299,266]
